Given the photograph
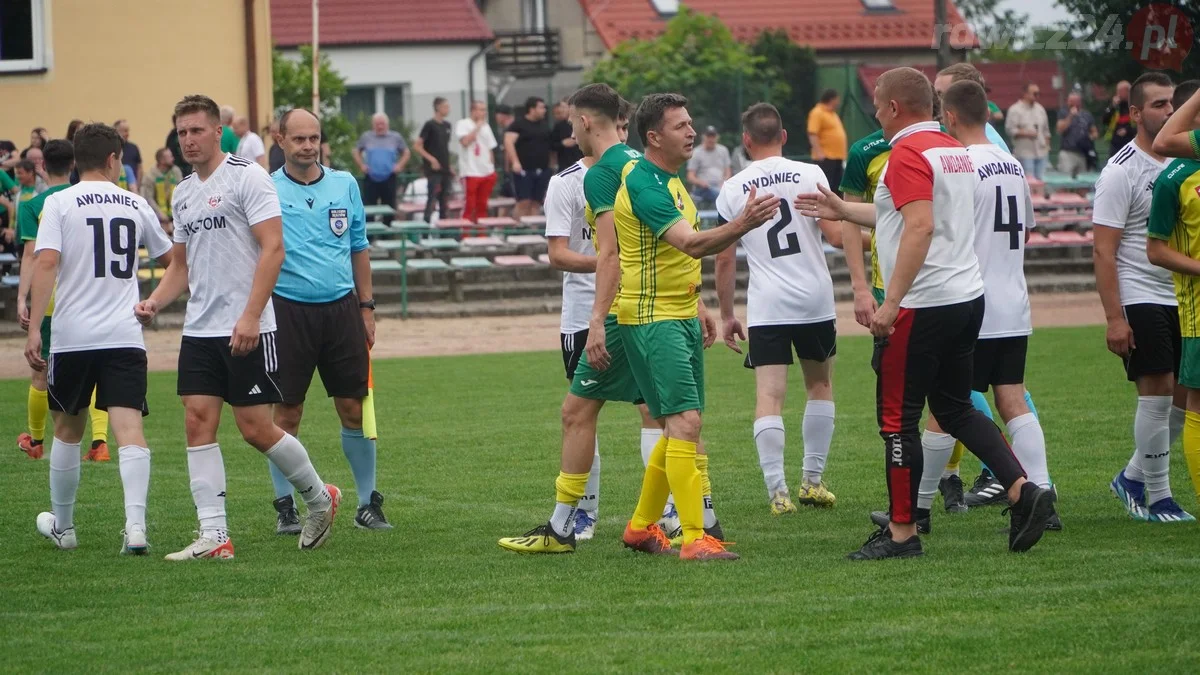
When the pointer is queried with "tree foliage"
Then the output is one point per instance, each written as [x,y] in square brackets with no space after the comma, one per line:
[1097,50]
[793,75]
[293,89]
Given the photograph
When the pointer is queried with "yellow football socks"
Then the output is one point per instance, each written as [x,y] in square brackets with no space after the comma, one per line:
[1191,448]
[955,458]
[685,483]
[569,487]
[99,421]
[655,488]
[38,408]
[705,483]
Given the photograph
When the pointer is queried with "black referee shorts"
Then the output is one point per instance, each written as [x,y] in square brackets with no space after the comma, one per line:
[327,337]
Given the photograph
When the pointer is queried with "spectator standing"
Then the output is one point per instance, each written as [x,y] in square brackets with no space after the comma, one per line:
[433,145]
[566,148]
[381,154]
[72,127]
[130,154]
[158,184]
[504,119]
[739,160]
[827,137]
[527,144]
[1117,120]
[229,140]
[38,138]
[172,144]
[250,145]
[1077,130]
[275,157]
[1029,129]
[475,162]
[9,191]
[34,155]
[709,168]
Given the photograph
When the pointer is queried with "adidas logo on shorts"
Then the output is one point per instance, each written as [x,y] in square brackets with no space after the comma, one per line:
[254,391]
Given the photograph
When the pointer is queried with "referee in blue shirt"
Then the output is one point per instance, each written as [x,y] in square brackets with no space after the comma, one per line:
[324,309]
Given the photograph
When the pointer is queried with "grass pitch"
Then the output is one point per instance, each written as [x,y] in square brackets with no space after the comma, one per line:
[469,452]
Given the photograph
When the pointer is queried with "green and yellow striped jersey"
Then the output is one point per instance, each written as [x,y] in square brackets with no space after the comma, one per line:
[867,158]
[1175,218]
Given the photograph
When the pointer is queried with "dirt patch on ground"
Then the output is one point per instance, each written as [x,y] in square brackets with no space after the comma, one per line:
[486,335]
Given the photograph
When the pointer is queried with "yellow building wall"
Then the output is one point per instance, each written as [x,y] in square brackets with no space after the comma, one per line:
[134,59]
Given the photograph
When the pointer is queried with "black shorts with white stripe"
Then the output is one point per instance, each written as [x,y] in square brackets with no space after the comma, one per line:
[572,349]
[207,367]
[118,377]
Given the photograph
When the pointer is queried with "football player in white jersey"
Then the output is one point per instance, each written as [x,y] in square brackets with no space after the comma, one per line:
[789,306]
[88,242]
[1140,304]
[1004,217]
[228,251]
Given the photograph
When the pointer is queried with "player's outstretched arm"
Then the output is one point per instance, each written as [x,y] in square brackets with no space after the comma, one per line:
[173,283]
[1176,138]
[758,210]
[564,259]
[1160,253]
[826,205]
[45,271]
[910,256]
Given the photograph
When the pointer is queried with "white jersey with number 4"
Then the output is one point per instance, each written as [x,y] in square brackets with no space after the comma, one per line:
[97,227]
[565,218]
[213,218]
[789,278]
[1003,214]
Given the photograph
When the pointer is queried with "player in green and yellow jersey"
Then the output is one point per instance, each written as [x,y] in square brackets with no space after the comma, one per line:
[864,165]
[659,315]
[1174,243]
[59,158]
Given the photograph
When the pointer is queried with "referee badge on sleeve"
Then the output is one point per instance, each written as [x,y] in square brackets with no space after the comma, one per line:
[338,221]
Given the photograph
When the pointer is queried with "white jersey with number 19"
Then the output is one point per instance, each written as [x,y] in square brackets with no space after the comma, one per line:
[96,227]
[1003,214]
[789,278]
[213,218]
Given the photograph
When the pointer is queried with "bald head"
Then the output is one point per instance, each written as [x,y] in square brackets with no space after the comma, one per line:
[241,125]
[226,115]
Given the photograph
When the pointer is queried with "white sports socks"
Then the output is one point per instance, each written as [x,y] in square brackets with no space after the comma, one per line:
[292,459]
[1152,434]
[64,482]
[936,448]
[1029,445]
[769,439]
[135,478]
[206,469]
[590,501]
[818,436]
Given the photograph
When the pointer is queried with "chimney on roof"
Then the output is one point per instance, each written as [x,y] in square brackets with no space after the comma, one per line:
[666,7]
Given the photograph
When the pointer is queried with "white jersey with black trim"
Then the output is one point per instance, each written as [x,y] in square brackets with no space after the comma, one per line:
[789,278]
[564,208]
[1122,201]
[1003,214]
[97,227]
[213,218]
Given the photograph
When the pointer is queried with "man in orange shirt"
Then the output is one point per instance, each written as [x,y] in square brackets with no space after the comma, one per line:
[827,137]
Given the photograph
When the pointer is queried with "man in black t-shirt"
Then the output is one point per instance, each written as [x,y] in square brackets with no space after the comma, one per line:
[565,146]
[527,148]
[433,144]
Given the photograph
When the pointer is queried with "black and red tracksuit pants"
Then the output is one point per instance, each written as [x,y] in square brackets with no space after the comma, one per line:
[929,358]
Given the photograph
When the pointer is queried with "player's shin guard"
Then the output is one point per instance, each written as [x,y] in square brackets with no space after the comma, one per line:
[99,421]
[710,516]
[818,436]
[905,463]
[1191,448]
[206,468]
[292,459]
[935,449]
[37,410]
[1029,445]
[64,482]
[685,483]
[135,479]
[1152,442]
[655,487]
[769,440]
[360,454]
[590,501]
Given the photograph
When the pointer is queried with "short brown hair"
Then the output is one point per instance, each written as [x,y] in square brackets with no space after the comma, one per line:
[1137,94]
[93,144]
[909,87]
[968,100]
[653,109]
[198,103]
[598,98]
[1183,92]
[627,110]
[763,123]
[963,71]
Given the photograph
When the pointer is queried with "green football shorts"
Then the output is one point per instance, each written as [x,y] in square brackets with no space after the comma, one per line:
[45,338]
[1189,363]
[615,383]
[667,358]
[879,294]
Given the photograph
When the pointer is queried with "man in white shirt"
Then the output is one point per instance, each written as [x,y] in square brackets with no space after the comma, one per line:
[250,145]
[228,252]
[87,242]
[789,306]
[1029,129]
[1140,304]
[476,163]
[926,328]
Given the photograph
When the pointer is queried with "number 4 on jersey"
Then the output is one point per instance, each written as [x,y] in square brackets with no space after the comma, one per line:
[1013,227]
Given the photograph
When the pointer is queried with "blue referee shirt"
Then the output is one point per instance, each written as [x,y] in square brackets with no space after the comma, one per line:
[323,223]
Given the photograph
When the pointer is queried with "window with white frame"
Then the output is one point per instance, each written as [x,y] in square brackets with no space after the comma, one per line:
[22,36]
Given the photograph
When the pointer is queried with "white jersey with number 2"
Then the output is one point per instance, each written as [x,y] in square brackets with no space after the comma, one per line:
[1003,214]
[97,227]
[789,278]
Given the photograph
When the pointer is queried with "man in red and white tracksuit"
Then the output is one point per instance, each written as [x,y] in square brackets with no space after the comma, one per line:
[925,330]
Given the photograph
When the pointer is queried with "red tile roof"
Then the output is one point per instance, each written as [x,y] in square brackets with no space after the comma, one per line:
[824,25]
[350,22]
[1006,80]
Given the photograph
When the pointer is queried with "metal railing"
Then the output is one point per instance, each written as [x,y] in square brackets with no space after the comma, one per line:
[526,52]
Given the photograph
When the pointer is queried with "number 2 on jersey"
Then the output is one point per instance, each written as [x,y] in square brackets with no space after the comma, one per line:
[1013,227]
[122,240]
[792,247]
